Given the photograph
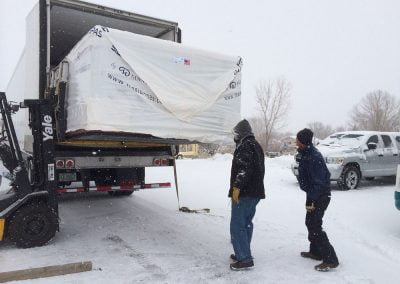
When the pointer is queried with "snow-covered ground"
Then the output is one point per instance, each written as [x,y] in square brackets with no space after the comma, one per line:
[144,238]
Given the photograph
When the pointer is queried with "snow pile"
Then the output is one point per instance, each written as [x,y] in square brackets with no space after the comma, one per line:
[222,157]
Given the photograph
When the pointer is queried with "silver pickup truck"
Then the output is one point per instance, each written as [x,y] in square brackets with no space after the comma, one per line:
[353,155]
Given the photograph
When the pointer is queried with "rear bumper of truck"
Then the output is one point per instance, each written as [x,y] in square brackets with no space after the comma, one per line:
[132,187]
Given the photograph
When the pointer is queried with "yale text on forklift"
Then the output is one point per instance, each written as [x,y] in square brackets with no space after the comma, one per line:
[48,128]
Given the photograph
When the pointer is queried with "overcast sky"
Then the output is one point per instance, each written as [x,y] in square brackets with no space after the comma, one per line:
[332,52]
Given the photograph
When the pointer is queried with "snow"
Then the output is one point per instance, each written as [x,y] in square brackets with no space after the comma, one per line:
[143,238]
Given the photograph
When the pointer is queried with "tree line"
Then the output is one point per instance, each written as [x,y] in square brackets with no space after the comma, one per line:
[377,111]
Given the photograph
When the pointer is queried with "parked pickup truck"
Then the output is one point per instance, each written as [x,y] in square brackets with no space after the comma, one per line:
[352,155]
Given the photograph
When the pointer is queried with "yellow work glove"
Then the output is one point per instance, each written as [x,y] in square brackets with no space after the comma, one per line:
[235,195]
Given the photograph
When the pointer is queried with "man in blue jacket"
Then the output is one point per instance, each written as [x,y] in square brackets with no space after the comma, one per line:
[246,190]
[314,179]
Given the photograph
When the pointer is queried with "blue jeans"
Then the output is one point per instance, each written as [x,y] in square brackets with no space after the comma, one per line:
[242,227]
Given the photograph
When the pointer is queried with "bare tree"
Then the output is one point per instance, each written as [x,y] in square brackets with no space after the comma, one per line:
[273,99]
[378,110]
[320,130]
[208,148]
[257,125]
[339,129]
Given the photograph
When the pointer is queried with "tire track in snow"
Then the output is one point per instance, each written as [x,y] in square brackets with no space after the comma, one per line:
[198,250]
[358,238]
[156,273]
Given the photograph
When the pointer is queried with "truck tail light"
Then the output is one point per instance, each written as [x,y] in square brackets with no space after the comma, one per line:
[70,164]
[60,164]
[156,162]
[164,162]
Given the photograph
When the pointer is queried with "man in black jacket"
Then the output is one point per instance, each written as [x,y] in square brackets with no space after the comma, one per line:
[246,190]
[314,179]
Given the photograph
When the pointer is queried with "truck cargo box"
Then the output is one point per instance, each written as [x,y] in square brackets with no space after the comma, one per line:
[121,82]
[53,28]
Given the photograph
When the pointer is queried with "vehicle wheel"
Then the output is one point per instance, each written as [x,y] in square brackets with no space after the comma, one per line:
[33,225]
[350,178]
[105,178]
[179,156]
[370,178]
[136,176]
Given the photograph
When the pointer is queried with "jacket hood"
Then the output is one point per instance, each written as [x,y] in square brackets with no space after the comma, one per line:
[242,130]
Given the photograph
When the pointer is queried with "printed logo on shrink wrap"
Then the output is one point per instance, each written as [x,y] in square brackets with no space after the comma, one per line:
[120,81]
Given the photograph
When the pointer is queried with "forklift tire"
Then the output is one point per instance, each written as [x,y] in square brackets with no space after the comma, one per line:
[32,225]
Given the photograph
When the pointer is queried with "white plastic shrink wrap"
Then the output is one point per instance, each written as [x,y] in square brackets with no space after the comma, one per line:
[124,82]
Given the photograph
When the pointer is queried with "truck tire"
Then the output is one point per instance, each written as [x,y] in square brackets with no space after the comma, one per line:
[105,177]
[32,225]
[137,174]
[350,178]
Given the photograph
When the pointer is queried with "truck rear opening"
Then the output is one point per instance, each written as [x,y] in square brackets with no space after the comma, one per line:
[53,27]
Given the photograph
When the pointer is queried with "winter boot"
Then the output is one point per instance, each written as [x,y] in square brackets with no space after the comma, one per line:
[307,254]
[326,266]
[240,265]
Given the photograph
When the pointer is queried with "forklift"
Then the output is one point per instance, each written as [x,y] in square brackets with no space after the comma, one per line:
[29,214]
[29,208]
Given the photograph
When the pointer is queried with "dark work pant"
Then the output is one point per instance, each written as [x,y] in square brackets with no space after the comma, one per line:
[319,242]
[242,227]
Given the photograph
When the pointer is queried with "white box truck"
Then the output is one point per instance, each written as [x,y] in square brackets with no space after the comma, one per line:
[76,134]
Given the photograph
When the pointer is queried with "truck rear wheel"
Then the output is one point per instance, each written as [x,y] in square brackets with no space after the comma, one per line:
[32,225]
[350,178]
[126,177]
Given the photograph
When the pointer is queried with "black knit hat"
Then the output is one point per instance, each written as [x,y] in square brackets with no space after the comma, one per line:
[305,136]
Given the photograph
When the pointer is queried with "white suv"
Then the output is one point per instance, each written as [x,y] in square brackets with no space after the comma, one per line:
[353,155]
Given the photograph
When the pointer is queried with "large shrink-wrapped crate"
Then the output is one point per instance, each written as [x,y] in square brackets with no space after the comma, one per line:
[124,82]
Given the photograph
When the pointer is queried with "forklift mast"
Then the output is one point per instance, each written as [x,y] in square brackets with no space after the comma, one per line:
[42,124]
[29,211]
[41,179]
[11,154]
